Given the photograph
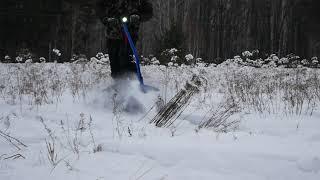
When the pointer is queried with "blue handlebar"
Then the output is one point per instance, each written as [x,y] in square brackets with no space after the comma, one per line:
[135,53]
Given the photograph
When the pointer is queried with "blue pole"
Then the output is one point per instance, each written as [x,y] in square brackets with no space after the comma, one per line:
[135,53]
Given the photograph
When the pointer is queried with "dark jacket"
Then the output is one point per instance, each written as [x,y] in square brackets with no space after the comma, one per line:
[119,8]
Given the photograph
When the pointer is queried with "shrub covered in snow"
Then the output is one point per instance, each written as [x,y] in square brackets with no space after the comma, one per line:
[56,52]
[100,55]
[314,60]
[100,58]
[169,55]
[24,54]
[305,62]
[42,59]
[7,59]
[79,58]
[145,60]
[174,58]
[19,59]
[272,61]
[174,55]
[28,61]
[247,54]
[200,63]
[170,64]
[155,61]
[189,57]
[173,51]
[284,60]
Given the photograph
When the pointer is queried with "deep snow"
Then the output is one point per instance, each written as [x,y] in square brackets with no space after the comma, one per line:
[264,146]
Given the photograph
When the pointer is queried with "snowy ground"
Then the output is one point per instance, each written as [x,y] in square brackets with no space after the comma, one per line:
[69,106]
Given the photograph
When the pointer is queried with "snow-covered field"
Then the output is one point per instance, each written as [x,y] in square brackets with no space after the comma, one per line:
[246,123]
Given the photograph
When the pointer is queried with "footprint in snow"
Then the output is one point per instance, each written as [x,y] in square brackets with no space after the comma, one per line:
[310,165]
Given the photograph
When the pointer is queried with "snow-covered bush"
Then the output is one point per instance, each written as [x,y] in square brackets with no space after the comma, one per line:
[247,54]
[74,58]
[170,64]
[19,59]
[199,60]
[183,66]
[284,60]
[103,57]
[274,58]
[23,55]
[7,58]
[237,59]
[79,58]
[145,60]
[42,59]
[300,66]
[271,64]
[174,55]
[100,55]
[256,53]
[94,60]
[314,60]
[272,61]
[56,52]
[56,55]
[100,58]
[189,57]
[28,61]
[212,65]
[305,62]
[173,51]
[174,58]
[171,55]
[200,63]
[155,61]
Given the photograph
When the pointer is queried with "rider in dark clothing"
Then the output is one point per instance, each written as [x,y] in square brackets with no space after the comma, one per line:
[110,13]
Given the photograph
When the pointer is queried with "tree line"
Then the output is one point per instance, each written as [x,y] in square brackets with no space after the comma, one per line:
[211,29]
[219,29]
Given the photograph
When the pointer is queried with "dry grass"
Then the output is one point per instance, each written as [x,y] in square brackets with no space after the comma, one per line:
[175,107]
[289,91]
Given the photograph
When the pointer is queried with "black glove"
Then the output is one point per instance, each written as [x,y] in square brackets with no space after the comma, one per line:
[110,21]
[134,18]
